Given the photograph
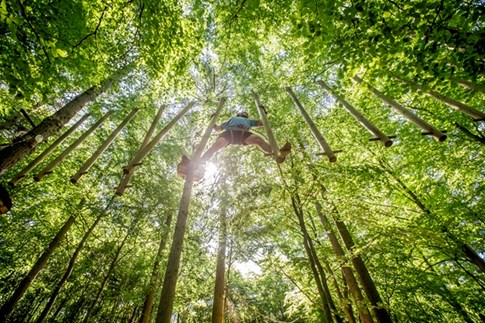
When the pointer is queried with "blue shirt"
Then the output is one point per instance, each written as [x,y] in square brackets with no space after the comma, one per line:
[239,123]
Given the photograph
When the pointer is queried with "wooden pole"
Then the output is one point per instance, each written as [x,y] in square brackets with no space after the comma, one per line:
[267,128]
[48,169]
[171,273]
[87,165]
[316,133]
[127,177]
[359,117]
[136,161]
[457,105]
[428,129]
[49,149]
[218,304]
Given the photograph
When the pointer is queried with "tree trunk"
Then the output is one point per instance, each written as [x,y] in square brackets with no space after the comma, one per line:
[264,119]
[7,308]
[366,281]
[218,306]
[146,313]
[321,291]
[469,85]
[94,303]
[68,272]
[348,274]
[171,273]
[465,249]
[10,155]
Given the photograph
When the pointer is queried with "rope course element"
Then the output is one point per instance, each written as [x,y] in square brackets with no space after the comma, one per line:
[136,161]
[316,133]
[378,134]
[48,169]
[47,151]
[264,119]
[124,184]
[87,165]
[427,128]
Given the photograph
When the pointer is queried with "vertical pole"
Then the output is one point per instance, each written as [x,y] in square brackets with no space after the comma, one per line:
[69,149]
[87,165]
[359,117]
[145,150]
[316,133]
[218,305]
[126,179]
[267,128]
[438,135]
[171,273]
[49,149]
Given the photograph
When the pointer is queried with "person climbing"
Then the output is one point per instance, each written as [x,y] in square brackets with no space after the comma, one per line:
[236,132]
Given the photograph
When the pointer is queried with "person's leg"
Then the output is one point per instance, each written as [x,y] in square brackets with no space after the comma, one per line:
[220,143]
[257,140]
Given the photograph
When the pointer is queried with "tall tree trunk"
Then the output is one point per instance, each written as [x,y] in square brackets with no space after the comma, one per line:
[94,303]
[464,248]
[218,305]
[7,308]
[348,274]
[146,313]
[68,272]
[321,291]
[165,306]
[10,155]
[365,279]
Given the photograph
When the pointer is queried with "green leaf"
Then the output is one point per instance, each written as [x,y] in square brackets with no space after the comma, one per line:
[62,53]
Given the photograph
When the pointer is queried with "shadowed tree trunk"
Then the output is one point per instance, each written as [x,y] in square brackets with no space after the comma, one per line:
[146,313]
[28,143]
[348,274]
[218,306]
[68,272]
[321,291]
[7,308]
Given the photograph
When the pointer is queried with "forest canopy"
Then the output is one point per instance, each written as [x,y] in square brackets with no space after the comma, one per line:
[376,215]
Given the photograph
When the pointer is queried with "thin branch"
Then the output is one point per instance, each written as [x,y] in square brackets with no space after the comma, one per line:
[94,33]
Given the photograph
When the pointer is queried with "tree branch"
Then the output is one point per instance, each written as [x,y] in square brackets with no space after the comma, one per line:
[94,33]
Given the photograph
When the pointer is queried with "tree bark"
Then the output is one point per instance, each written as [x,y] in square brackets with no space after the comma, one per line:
[10,155]
[264,119]
[146,313]
[171,273]
[348,274]
[68,272]
[321,291]
[218,305]
[365,279]
[7,308]
[94,303]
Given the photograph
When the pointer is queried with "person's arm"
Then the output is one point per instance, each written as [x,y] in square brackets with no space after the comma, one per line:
[217,128]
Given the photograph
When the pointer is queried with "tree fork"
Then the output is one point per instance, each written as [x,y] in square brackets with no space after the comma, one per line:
[10,155]
[7,308]
[170,280]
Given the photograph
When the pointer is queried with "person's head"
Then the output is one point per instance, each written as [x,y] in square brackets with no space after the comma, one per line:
[243,114]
